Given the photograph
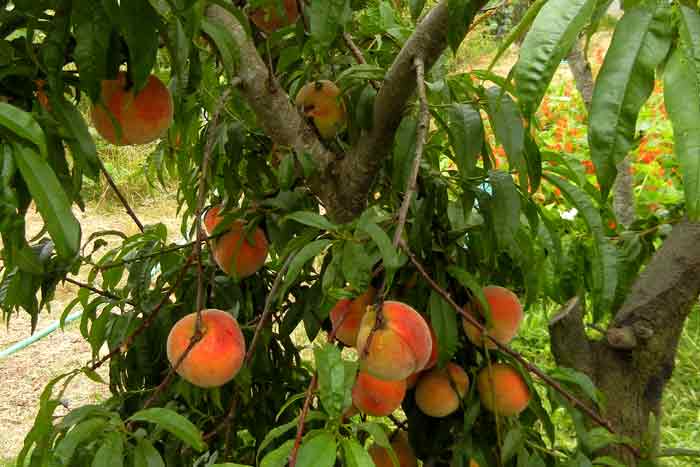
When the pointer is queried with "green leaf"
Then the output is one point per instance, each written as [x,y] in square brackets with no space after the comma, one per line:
[51,201]
[508,127]
[624,83]
[228,51]
[81,433]
[505,209]
[317,450]
[469,282]
[111,452]
[511,444]
[355,455]
[92,28]
[80,141]
[682,98]
[139,23]
[311,219]
[377,432]
[334,382]
[23,125]
[328,18]
[280,456]
[173,422]
[444,322]
[282,429]
[306,254]
[390,255]
[146,455]
[466,131]
[416,7]
[404,152]
[549,40]
[604,260]
[461,14]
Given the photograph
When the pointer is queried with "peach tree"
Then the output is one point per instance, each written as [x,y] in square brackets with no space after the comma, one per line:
[338,186]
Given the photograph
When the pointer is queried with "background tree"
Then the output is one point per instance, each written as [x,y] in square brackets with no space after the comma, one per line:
[338,148]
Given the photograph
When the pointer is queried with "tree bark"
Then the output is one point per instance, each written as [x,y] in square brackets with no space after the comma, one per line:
[341,182]
[632,365]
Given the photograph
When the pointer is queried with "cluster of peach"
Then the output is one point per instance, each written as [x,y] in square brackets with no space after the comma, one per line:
[398,351]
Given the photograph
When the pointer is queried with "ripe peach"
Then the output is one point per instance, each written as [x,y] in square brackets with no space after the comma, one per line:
[322,101]
[142,117]
[435,394]
[413,379]
[506,315]
[347,314]
[375,396]
[217,357]
[268,18]
[402,448]
[503,391]
[236,253]
[399,346]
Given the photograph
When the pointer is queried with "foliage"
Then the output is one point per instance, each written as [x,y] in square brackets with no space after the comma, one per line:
[486,210]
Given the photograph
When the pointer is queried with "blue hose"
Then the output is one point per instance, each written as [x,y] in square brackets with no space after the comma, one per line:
[39,335]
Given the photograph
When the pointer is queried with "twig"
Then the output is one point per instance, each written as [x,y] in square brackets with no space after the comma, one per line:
[302,417]
[124,346]
[161,252]
[679,452]
[411,186]
[506,349]
[267,310]
[196,337]
[486,13]
[201,195]
[307,403]
[357,53]
[421,133]
[121,197]
[104,293]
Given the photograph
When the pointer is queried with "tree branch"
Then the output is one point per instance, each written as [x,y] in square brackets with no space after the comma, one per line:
[273,108]
[121,197]
[359,168]
[357,53]
[654,313]
[570,345]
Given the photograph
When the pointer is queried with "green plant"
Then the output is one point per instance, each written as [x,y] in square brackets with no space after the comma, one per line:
[424,199]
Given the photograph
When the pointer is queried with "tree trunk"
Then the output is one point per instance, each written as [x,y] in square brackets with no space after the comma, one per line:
[623,190]
[633,364]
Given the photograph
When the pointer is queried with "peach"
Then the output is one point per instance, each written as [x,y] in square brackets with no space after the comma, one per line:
[503,390]
[322,101]
[237,253]
[268,18]
[142,117]
[375,396]
[347,314]
[413,379]
[506,316]
[440,390]
[399,346]
[216,358]
[402,448]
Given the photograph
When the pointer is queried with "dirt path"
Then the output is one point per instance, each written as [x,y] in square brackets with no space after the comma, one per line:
[24,374]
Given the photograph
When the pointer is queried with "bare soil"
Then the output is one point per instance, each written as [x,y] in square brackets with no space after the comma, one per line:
[24,374]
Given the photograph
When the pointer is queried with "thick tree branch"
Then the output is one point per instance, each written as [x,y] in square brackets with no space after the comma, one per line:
[567,333]
[342,187]
[656,308]
[358,170]
[272,106]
